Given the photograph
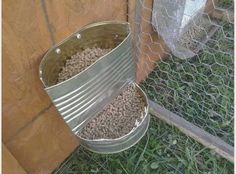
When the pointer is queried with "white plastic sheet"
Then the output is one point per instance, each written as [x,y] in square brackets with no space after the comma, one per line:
[171,18]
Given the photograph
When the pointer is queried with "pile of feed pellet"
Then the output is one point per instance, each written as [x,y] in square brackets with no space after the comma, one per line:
[118,118]
[80,61]
[196,34]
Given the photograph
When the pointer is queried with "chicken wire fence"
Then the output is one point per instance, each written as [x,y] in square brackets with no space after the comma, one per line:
[184,50]
[164,149]
[193,78]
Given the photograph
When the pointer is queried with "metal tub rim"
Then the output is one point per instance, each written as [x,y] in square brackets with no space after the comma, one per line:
[122,149]
[124,137]
[146,110]
[75,35]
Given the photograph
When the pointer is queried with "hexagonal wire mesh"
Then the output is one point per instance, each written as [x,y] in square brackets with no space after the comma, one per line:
[193,73]
[164,149]
[187,69]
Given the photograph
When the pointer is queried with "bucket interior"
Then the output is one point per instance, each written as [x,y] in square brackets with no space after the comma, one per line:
[102,35]
[114,145]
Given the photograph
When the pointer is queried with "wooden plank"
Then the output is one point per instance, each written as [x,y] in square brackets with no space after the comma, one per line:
[25,40]
[68,16]
[44,144]
[9,164]
[33,130]
[152,46]
[133,26]
[203,137]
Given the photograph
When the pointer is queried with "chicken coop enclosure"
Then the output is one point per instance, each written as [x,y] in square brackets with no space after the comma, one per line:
[183,53]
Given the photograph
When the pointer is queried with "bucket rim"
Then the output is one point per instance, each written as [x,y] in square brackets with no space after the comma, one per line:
[74,35]
[146,111]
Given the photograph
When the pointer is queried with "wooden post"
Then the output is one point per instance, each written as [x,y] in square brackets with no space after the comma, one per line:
[148,45]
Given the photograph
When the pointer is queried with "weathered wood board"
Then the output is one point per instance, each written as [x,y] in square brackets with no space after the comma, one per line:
[25,40]
[9,164]
[68,16]
[44,144]
[32,129]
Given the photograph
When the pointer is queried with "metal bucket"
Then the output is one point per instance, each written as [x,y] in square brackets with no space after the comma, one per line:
[81,97]
[108,146]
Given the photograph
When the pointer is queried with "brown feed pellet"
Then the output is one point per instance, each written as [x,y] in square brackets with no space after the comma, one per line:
[119,117]
[80,61]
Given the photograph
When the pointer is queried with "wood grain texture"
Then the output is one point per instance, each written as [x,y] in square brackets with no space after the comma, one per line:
[67,16]
[132,19]
[25,40]
[198,134]
[9,164]
[44,144]
[152,46]
[33,131]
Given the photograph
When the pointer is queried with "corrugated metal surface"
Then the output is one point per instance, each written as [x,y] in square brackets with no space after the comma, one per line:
[108,146]
[82,96]
[95,86]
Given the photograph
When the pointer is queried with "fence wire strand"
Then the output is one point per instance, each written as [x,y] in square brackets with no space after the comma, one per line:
[164,149]
[199,88]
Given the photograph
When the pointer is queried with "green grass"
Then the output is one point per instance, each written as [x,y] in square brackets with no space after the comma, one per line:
[225,3]
[200,89]
[164,150]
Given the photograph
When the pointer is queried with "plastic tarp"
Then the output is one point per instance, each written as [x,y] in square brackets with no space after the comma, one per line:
[171,18]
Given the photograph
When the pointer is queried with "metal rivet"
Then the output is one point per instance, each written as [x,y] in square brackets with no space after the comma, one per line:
[78,36]
[58,51]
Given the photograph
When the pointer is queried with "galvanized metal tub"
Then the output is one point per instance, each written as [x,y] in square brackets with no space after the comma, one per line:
[79,98]
[108,146]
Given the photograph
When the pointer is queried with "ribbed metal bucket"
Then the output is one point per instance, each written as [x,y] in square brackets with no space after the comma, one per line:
[81,97]
[119,144]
